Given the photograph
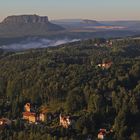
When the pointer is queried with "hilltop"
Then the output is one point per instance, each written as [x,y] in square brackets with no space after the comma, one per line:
[25,19]
[76,23]
[27,25]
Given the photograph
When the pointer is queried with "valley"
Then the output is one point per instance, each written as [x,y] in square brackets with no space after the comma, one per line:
[93,83]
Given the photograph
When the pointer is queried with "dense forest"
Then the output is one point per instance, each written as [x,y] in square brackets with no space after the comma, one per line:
[68,80]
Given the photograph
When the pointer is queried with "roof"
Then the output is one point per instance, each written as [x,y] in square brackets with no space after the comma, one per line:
[28,104]
[110,62]
[29,114]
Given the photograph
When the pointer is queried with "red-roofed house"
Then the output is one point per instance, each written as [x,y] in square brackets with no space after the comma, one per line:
[101,134]
[29,116]
[105,65]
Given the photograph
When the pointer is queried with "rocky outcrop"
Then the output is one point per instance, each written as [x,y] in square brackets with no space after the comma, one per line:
[26,19]
[27,25]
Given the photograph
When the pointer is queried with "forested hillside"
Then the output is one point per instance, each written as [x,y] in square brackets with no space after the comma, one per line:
[71,79]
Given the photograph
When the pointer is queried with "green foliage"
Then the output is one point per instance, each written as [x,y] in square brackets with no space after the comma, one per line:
[75,100]
[95,103]
[67,79]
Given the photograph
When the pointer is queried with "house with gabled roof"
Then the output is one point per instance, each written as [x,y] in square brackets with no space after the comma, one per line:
[105,65]
[64,121]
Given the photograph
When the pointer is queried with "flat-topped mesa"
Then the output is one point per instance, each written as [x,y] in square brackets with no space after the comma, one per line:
[28,25]
[26,19]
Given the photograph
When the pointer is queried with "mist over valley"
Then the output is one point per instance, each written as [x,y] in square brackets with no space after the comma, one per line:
[34,42]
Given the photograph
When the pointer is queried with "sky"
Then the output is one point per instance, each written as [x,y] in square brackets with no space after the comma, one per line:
[73,9]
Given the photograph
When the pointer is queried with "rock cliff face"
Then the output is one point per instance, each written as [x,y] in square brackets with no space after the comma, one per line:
[27,25]
[26,19]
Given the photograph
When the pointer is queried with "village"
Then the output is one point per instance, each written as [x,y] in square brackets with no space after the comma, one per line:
[34,118]
[100,43]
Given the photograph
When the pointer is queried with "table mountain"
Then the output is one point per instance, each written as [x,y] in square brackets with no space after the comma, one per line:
[26,25]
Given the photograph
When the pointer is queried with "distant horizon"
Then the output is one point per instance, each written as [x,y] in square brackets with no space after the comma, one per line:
[100,10]
[1,19]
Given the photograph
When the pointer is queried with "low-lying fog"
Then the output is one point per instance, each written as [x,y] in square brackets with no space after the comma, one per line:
[32,43]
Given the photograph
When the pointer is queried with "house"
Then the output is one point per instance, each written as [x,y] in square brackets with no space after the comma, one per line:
[43,113]
[105,65]
[27,107]
[29,116]
[102,134]
[65,121]
[96,44]
[109,43]
[33,117]
[4,121]
[42,117]
[1,122]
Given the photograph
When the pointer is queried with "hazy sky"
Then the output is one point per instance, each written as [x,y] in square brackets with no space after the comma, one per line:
[86,9]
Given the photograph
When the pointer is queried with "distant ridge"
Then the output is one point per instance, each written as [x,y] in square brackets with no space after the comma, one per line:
[91,22]
[76,23]
[24,25]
